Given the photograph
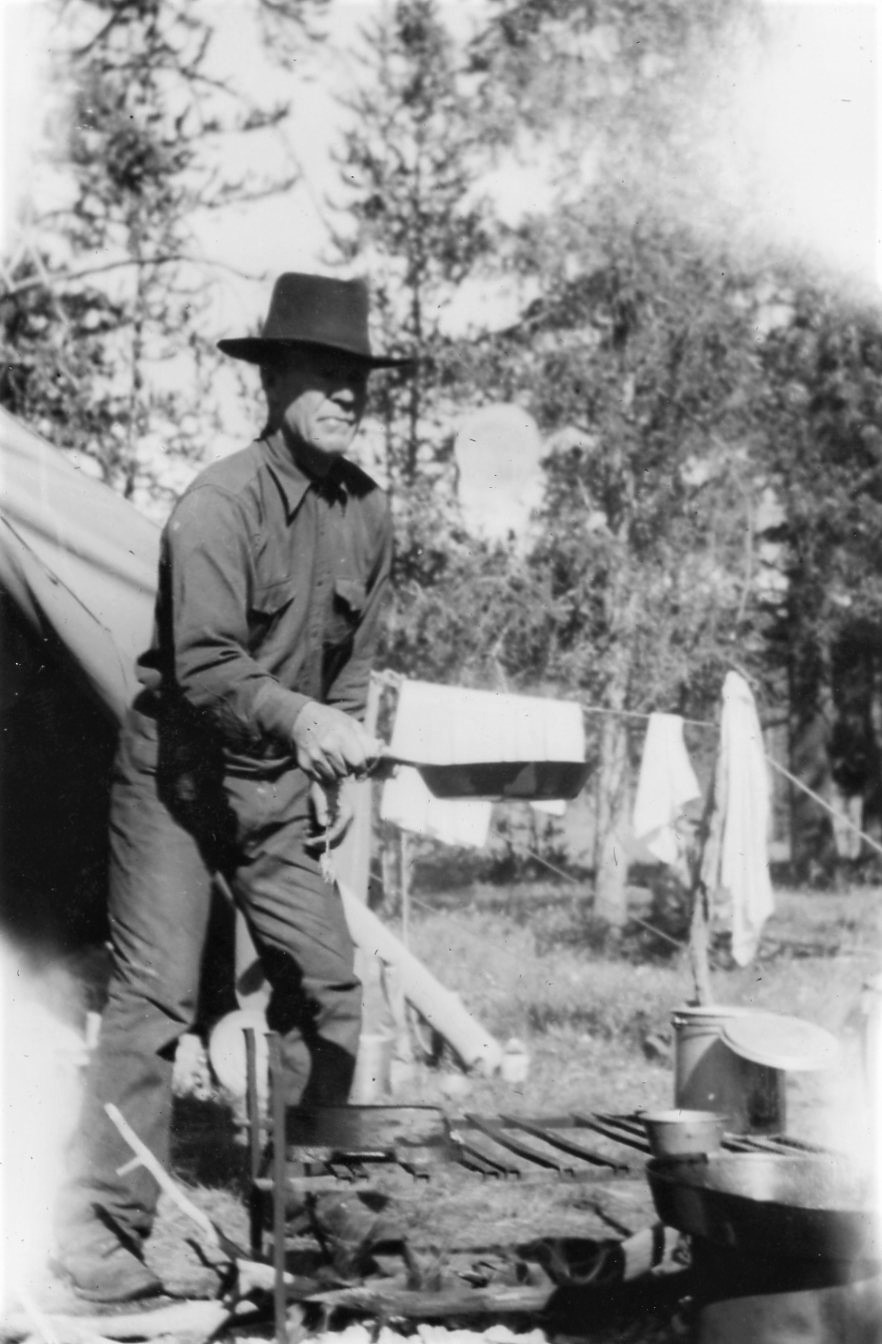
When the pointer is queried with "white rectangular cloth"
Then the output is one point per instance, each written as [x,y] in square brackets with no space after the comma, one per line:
[406,802]
[665,785]
[735,868]
[550,807]
[450,725]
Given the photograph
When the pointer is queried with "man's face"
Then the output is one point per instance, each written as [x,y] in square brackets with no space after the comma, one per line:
[317,398]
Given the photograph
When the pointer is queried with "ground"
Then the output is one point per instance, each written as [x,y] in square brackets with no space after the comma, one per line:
[595,1018]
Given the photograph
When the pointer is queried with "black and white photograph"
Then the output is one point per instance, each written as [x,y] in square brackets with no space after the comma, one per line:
[441,671]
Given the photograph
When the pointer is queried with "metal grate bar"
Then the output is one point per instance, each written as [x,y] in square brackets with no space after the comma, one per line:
[770,1143]
[568,1146]
[495,1131]
[632,1123]
[611,1130]
[801,1145]
[472,1157]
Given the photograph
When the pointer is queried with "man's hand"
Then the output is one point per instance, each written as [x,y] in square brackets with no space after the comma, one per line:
[330,744]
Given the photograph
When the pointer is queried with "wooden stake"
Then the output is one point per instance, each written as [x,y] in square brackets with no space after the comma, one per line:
[699,924]
[698,946]
[404,852]
[252,1096]
[277,1101]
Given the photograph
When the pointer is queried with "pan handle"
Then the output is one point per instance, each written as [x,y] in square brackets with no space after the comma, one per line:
[386,764]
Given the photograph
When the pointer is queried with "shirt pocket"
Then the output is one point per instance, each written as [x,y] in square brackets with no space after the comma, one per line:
[268,601]
[350,596]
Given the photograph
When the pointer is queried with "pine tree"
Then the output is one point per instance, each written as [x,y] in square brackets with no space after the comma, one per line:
[407,218]
[101,330]
[635,357]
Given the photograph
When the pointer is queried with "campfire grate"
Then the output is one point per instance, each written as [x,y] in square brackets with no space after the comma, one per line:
[348,1147]
[579,1146]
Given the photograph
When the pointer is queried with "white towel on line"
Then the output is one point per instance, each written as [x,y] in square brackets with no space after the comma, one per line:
[735,868]
[406,802]
[666,783]
[450,725]
[550,807]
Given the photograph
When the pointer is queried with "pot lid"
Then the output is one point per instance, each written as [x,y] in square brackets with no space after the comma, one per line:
[780,1042]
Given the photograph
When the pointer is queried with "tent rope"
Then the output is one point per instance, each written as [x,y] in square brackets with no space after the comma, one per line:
[840,816]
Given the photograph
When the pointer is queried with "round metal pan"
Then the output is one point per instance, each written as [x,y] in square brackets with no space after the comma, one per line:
[799,1207]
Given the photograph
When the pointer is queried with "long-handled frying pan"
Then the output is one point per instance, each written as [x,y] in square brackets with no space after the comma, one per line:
[527,781]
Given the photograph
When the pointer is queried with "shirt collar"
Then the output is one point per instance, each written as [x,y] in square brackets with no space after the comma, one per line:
[291,479]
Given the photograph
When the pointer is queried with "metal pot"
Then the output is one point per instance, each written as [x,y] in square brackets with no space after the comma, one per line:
[801,1207]
[680,1133]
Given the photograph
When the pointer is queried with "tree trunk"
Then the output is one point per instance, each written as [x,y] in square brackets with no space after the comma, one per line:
[611,866]
[812,851]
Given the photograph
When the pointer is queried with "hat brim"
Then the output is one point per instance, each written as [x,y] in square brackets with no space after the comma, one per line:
[260,350]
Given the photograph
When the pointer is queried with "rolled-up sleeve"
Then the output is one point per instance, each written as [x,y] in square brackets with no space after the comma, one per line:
[208,569]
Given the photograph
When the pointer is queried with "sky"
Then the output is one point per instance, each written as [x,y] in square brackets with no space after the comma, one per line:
[809,118]
[798,154]
[802,150]
[795,154]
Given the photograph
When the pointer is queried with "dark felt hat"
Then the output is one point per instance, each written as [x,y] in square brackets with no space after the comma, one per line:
[313,310]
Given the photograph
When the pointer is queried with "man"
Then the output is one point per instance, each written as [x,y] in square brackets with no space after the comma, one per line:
[272,574]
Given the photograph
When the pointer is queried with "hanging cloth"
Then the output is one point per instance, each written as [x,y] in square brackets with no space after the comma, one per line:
[407,803]
[735,869]
[451,725]
[665,785]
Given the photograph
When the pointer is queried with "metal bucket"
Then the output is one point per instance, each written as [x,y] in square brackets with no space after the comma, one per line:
[709,1076]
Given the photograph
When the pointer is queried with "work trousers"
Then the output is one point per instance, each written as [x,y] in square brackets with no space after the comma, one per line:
[174,825]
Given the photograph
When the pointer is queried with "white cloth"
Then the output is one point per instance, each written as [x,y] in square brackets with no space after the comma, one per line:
[448,725]
[407,803]
[550,807]
[735,868]
[665,785]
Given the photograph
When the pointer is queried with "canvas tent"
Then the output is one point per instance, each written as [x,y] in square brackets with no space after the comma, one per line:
[77,576]
[78,567]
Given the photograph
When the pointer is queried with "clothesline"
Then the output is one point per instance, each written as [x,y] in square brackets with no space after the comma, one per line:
[395,679]
[776,765]
[677,942]
[387,677]
[642,714]
[561,872]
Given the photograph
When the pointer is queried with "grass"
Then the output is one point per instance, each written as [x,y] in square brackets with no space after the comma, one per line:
[538,973]
[594,1016]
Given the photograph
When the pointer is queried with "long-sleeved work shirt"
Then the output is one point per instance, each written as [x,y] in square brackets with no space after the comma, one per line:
[270,591]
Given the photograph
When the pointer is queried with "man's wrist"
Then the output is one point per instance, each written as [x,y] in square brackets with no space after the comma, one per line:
[277,711]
